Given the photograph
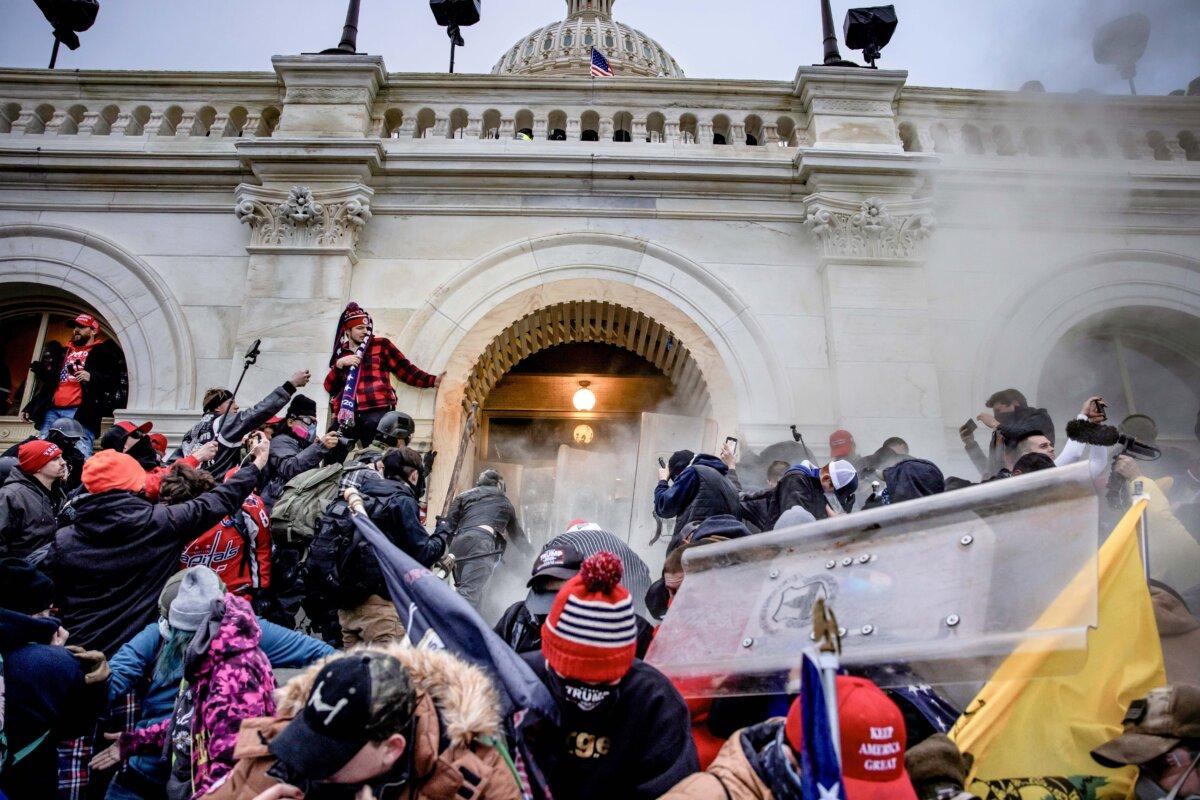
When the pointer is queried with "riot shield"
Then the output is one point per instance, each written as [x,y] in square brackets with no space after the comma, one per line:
[947,585]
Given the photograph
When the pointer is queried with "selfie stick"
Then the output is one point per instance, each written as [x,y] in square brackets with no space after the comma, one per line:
[251,357]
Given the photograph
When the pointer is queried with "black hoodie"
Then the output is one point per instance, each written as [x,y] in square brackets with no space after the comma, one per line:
[110,564]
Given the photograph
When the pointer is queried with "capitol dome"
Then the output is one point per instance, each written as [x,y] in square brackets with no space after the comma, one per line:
[565,47]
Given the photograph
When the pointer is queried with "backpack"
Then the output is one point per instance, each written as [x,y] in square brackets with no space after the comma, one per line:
[303,500]
[341,567]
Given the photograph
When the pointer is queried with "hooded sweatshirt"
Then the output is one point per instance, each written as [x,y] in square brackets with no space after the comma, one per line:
[109,565]
[913,478]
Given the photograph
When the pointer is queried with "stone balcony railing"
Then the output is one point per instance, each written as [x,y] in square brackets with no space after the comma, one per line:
[741,114]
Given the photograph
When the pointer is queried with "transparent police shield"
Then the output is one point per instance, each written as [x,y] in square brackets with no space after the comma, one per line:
[947,586]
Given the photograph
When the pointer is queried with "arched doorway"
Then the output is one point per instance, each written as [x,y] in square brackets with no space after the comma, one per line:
[32,319]
[575,403]
[1144,361]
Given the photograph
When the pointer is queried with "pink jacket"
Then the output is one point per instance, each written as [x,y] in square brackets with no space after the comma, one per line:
[231,682]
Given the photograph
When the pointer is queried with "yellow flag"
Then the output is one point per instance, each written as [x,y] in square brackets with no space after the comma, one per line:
[1032,737]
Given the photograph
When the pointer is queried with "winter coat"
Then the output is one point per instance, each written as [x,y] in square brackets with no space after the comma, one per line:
[704,489]
[913,478]
[46,700]
[110,564]
[799,486]
[230,431]
[736,773]
[486,505]
[133,671]
[635,748]
[230,681]
[374,391]
[1179,634]
[27,514]
[107,389]
[288,458]
[457,714]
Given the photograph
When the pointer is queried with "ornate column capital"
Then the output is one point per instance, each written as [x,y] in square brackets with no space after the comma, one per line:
[870,230]
[300,220]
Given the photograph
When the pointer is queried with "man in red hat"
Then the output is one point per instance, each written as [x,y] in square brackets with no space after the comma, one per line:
[30,498]
[85,383]
[360,371]
[842,447]
[763,761]
[623,731]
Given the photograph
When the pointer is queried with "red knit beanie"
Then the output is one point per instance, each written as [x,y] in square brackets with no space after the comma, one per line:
[35,454]
[109,470]
[353,316]
[591,634]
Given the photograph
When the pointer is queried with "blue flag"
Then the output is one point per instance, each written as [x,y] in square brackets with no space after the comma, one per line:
[820,774]
[437,617]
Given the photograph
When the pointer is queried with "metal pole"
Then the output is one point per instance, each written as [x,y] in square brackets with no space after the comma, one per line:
[349,42]
[829,667]
[451,56]
[54,53]
[1139,494]
[832,54]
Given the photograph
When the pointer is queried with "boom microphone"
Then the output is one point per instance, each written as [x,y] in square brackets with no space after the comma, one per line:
[1089,432]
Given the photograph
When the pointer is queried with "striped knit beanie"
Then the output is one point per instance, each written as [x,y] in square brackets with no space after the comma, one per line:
[591,635]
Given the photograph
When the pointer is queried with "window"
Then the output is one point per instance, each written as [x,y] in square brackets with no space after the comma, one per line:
[547,44]
[629,45]
[568,39]
[529,47]
[589,38]
[648,51]
[23,336]
[609,41]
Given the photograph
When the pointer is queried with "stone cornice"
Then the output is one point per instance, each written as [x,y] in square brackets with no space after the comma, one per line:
[299,221]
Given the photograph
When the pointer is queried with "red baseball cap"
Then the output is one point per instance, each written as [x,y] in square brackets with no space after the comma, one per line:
[841,443]
[873,741]
[87,321]
[129,427]
[159,443]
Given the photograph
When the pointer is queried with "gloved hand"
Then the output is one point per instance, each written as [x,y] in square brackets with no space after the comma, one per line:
[93,662]
[938,769]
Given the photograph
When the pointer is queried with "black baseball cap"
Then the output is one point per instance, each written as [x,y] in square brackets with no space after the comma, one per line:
[352,698]
[555,561]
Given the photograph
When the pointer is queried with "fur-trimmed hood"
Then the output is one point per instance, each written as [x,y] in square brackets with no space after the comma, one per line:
[466,699]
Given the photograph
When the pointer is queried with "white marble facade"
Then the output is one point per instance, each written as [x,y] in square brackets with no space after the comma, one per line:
[862,254]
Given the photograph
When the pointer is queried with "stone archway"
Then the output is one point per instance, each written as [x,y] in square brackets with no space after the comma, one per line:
[461,318]
[1015,351]
[139,307]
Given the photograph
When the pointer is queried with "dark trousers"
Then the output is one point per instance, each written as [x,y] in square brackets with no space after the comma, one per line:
[471,577]
[365,423]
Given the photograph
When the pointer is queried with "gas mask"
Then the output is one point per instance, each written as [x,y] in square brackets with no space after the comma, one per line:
[305,433]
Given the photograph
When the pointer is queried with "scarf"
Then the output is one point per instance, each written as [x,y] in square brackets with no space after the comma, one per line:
[348,402]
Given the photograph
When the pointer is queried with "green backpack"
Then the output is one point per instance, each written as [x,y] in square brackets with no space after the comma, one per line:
[304,498]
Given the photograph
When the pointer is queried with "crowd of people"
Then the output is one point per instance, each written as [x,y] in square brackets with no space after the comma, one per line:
[209,622]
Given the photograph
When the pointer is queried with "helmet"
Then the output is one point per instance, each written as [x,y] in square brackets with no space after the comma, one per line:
[393,427]
[68,427]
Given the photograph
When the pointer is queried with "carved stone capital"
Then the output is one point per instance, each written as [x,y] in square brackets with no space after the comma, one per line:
[302,221]
[872,230]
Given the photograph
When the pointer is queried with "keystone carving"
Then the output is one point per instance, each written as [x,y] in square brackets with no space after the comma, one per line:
[873,231]
[302,219]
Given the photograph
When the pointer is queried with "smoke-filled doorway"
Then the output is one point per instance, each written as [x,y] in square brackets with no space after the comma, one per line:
[577,402]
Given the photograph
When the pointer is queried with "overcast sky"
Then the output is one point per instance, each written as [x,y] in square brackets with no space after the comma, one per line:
[982,44]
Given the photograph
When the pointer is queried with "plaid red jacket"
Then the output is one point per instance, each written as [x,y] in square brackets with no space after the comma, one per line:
[381,361]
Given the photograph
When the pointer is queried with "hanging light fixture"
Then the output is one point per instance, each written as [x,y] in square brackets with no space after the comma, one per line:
[584,398]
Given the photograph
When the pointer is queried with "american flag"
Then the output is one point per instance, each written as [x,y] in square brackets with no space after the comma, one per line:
[600,67]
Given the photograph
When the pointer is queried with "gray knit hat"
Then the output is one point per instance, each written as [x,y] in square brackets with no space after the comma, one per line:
[169,591]
[192,607]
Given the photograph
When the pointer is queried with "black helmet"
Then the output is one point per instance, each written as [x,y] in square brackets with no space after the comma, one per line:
[394,427]
[68,428]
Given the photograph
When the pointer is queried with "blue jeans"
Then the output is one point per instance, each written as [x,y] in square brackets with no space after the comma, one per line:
[55,414]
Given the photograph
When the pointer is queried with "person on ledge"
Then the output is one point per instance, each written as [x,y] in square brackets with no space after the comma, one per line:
[360,368]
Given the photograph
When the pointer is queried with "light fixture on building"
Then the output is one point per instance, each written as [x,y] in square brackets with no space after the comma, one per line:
[584,434]
[584,398]
[869,30]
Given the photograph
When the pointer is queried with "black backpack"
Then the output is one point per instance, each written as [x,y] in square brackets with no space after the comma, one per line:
[341,567]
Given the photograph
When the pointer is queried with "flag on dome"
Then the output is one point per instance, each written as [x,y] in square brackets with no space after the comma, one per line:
[600,67]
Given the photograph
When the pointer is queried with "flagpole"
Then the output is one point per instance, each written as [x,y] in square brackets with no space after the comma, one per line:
[825,632]
[1139,494]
